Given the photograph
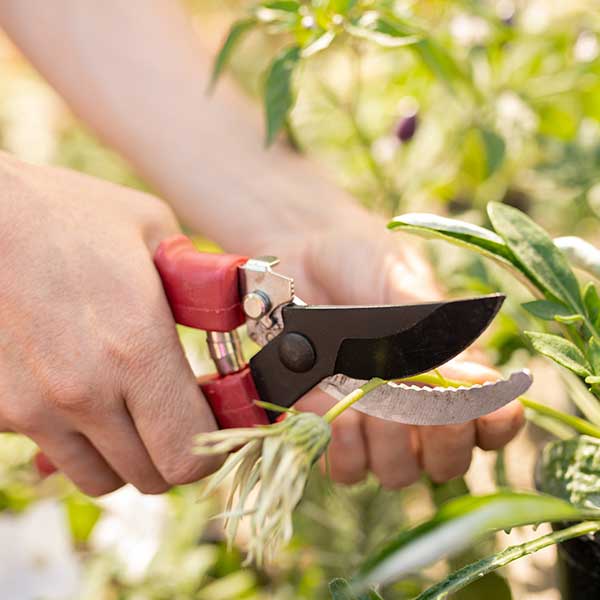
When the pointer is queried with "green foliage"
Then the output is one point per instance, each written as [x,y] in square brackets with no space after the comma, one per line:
[561,351]
[278,90]
[472,573]
[536,254]
[456,526]
[238,29]
[570,469]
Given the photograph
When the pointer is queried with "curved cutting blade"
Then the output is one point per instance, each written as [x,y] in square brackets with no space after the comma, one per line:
[391,342]
[415,405]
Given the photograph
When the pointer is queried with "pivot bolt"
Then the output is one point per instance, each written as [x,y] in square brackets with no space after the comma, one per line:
[256,304]
[297,353]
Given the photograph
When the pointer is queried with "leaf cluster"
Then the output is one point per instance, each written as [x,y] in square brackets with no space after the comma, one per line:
[522,247]
[315,25]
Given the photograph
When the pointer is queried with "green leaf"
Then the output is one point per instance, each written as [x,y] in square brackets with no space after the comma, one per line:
[581,254]
[285,5]
[238,29]
[340,589]
[82,514]
[536,253]
[594,354]
[591,301]
[593,379]
[465,235]
[570,469]
[458,525]
[495,150]
[384,31]
[569,319]
[321,43]
[439,62]
[278,98]
[471,574]
[561,351]
[547,310]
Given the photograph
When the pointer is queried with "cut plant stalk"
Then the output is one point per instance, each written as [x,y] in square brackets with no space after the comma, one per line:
[274,461]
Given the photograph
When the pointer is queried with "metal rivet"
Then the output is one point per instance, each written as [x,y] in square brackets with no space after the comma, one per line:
[296,352]
[256,304]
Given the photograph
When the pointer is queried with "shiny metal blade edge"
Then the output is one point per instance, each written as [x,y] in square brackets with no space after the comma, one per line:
[415,405]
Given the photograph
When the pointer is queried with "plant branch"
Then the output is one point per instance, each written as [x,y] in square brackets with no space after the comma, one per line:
[350,399]
[470,573]
[578,424]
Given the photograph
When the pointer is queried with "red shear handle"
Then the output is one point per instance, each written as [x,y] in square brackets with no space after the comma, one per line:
[231,399]
[203,292]
[202,288]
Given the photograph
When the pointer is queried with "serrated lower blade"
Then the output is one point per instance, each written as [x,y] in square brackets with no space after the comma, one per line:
[415,405]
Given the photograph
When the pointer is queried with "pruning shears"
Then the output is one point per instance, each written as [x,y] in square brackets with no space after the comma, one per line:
[335,347]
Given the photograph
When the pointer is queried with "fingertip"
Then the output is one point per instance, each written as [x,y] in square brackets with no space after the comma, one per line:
[498,428]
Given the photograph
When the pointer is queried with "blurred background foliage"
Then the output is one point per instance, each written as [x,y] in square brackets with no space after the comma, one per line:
[513,116]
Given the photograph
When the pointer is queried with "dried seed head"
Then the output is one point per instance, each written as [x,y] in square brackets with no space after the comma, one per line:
[275,460]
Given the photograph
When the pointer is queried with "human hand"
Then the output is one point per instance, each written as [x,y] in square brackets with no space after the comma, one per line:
[90,364]
[361,263]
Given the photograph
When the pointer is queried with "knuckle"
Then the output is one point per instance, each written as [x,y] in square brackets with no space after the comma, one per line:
[443,473]
[70,395]
[28,418]
[399,478]
[153,488]
[188,471]
[99,488]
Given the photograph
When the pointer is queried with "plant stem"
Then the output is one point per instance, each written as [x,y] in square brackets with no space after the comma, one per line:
[578,424]
[351,398]
[470,573]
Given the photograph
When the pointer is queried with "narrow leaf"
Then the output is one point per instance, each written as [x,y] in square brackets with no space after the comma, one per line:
[547,310]
[465,235]
[591,300]
[594,354]
[495,149]
[285,5]
[384,31]
[585,401]
[561,351]
[473,572]
[238,29]
[458,525]
[581,254]
[570,319]
[439,62]
[536,253]
[278,98]
[321,43]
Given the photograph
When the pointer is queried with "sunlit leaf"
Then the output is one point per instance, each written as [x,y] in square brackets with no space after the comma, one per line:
[473,573]
[285,5]
[321,43]
[83,514]
[561,351]
[237,30]
[457,526]
[279,98]
[536,253]
[462,234]
[581,254]
[384,31]
[439,62]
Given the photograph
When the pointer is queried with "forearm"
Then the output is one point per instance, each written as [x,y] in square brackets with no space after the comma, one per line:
[136,72]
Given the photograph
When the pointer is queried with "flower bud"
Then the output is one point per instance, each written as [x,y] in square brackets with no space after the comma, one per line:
[405,130]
